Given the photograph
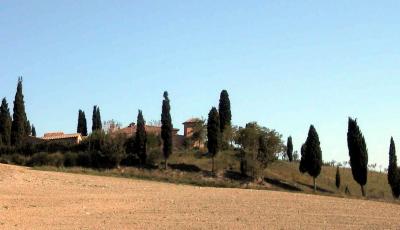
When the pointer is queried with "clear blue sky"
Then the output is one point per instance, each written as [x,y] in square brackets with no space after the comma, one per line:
[286,64]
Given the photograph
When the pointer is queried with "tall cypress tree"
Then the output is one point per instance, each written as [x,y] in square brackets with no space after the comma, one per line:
[5,123]
[96,119]
[28,128]
[82,124]
[98,116]
[33,131]
[141,139]
[225,114]
[393,171]
[358,153]
[289,151]
[312,155]
[166,128]
[18,127]
[338,181]
[213,134]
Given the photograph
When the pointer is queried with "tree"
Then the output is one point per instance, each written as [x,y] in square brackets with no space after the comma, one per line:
[259,146]
[18,127]
[28,128]
[5,123]
[338,178]
[82,123]
[213,134]
[311,159]
[358,153]
[289,151]
[225,114]
[96,119]
[141,139]
[166,128]
[393,171]
[33,131]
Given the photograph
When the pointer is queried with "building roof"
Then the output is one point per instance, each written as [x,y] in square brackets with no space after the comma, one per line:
[193,120]
[131,129]
[60,135]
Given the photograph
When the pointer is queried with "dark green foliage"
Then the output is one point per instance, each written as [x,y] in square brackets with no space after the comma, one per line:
[225,114]
[141,139]
[82,123]
[28,128]
[358,154]
[43,158]
[105,151]
[70,159]
[262,155]
[33,131]
[5,123]
[311,156]
[289,150]
[166,128]
[303,167]
[393,170]
[338,178]
[96,119]
[19,123]
[213,134]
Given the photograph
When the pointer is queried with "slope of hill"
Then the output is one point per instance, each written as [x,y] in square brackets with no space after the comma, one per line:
[32,199]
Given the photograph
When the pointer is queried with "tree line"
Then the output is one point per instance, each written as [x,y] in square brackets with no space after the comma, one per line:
[256,146]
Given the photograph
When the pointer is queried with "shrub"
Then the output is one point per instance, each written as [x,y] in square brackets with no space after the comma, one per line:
[18,159]
[70,159]
[42,158]
[84,159]
[55,159]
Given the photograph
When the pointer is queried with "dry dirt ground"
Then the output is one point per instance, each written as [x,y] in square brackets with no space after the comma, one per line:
[32,199]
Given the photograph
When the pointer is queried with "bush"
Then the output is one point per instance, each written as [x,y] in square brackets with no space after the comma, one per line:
[55,159]
[84,159]
[42,159]
[18,159]
[154,157]
[70,159]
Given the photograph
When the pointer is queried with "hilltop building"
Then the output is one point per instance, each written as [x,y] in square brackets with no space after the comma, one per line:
[60,137]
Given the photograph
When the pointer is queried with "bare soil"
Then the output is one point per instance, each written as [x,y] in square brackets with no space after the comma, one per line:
[31,199]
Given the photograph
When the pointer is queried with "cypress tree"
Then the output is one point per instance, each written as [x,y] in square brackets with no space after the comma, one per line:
[393,171]
[28,128]
[312,156]
[96,119]
[213,134]
[98,116]
[33,131]
[141,139]
[290,149]
[303,167]
[5,123]
[358,153]
[225,114]
[82,124]
[18,127]
[338,178]
[166,128]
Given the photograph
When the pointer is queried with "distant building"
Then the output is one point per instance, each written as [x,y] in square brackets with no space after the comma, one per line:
[189,128]
[150,129]
[60,137]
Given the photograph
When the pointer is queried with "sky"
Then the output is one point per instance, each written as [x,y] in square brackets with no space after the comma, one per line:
[285,64]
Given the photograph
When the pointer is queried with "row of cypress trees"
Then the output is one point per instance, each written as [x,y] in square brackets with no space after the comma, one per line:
[311,158]
[13,131]
[217,123]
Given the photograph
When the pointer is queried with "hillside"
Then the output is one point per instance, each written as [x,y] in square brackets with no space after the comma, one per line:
[32,199]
